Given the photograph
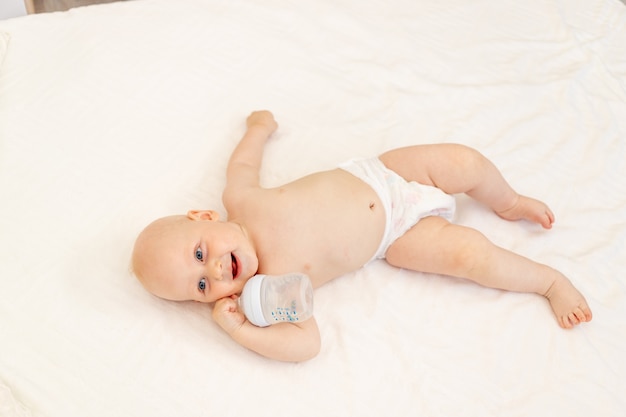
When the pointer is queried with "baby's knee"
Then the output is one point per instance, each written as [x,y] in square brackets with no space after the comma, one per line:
[468,159]
[469,253]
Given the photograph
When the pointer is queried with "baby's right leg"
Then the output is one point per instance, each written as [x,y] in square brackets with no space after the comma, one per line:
[436,246]
[459,169]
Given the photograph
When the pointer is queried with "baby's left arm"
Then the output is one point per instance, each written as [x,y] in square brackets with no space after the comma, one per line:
[245,162]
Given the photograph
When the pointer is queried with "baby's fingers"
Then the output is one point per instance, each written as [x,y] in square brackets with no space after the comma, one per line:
[226,313]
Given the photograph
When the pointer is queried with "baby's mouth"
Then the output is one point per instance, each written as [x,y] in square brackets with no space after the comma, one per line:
[234,265]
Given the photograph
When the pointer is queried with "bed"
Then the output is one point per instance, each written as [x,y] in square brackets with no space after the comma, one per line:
[114,115]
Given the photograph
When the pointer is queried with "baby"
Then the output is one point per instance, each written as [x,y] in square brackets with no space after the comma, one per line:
[396,207]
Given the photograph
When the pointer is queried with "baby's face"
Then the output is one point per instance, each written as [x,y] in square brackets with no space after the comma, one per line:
[194,257]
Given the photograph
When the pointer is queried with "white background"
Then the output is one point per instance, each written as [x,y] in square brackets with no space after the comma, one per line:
[12,8]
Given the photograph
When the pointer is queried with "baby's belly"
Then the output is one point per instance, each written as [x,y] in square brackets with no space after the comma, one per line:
[342,220]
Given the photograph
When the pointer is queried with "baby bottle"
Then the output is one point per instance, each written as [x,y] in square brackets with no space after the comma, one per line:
[271,299]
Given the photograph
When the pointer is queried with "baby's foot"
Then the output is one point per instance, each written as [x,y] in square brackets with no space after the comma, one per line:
[529,209]
[568,304]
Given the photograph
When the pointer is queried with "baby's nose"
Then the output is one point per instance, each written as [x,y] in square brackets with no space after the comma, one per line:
[216,269]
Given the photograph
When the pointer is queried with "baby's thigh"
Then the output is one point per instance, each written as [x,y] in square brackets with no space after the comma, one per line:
[450,167]
[437,246]
[411,162]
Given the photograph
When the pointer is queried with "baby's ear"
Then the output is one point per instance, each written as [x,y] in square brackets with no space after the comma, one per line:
[203,215]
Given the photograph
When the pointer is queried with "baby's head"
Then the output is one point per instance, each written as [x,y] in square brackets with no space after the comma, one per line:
[194,257]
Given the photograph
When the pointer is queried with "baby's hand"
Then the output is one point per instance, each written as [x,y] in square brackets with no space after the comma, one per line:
[263,119]
[226,313]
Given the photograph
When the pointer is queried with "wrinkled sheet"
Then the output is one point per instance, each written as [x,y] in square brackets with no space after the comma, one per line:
[113,115]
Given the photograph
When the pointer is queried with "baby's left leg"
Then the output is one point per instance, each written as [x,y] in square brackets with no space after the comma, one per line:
[434,245]
[459,169]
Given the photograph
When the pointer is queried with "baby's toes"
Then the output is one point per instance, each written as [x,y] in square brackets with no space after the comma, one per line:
[541,217]
[584,314]
[565,323]
[546,219]
[580,315]
[573,318]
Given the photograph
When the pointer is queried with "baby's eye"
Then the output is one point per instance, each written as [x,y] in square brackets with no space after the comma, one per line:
[202,285]
[199,255]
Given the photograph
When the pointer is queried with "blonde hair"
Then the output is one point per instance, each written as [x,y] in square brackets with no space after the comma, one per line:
[146,241]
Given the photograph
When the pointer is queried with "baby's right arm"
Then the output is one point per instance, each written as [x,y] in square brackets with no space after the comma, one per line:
[285,341]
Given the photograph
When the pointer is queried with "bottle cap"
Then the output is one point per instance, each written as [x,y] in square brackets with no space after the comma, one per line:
[251,301]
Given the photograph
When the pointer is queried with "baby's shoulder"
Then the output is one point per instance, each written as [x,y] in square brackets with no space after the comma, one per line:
[237,199]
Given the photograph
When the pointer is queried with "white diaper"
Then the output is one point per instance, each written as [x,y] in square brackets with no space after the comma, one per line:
[405,202]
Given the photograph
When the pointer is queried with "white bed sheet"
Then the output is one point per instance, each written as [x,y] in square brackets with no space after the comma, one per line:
[113,115]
